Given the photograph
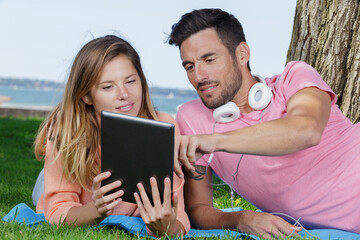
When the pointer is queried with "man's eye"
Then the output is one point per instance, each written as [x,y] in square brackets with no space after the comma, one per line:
[189,68]
[209,59]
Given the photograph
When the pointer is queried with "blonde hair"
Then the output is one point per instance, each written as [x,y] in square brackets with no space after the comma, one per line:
[72,127]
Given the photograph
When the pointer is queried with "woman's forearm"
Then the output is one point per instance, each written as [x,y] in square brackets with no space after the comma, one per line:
[83,215]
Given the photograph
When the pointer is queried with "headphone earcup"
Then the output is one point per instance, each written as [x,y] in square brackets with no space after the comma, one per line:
[259,96]
[226,113]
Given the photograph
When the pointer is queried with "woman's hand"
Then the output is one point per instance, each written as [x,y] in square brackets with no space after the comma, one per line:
[105,204]
[160,218]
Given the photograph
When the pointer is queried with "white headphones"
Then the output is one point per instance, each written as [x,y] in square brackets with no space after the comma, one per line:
[259,97]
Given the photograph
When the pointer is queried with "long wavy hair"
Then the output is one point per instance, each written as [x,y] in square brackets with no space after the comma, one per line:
[72,126]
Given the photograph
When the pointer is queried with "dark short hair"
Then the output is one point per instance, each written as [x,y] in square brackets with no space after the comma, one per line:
[226,25]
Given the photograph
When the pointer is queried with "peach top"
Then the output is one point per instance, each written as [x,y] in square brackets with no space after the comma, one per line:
[61,195]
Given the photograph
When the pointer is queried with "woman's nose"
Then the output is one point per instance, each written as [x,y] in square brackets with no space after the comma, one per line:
[122,93]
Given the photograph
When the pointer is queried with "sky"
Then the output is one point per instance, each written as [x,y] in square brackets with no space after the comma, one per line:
[40,38]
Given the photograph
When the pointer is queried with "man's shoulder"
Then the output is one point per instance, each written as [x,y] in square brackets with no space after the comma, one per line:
[298,66]
[194,117]
[192,105]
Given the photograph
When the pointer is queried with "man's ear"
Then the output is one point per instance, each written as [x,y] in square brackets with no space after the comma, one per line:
[87,99]
[242,53]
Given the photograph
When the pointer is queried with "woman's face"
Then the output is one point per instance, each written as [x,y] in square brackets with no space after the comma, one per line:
[119,89]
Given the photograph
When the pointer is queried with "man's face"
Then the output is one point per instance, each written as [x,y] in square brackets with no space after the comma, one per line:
[210,68]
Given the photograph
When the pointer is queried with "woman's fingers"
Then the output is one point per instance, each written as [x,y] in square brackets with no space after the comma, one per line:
[105,189]
[144,197]
[108,198]
[142,210]
[167,193]
[175,201]
[99,178]
[108,208]
[105,203]
[155,193]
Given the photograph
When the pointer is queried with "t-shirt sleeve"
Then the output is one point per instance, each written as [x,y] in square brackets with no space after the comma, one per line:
[299,75]
[185,128]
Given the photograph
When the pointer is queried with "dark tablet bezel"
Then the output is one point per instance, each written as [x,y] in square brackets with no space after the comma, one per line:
[134,149]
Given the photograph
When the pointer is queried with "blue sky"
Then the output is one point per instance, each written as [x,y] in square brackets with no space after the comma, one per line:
[40,38]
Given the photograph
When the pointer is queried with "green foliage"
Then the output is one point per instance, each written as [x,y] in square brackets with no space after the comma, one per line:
[222,197]
[18,166]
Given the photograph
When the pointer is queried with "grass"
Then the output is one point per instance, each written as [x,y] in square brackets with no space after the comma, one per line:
[18,173]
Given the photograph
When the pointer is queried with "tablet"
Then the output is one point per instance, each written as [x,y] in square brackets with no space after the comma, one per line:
[134,149]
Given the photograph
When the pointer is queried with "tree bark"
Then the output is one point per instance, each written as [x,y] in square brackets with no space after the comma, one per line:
[326,35]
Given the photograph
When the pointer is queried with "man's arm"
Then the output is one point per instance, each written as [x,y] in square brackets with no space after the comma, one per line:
[202,214]
[308,112]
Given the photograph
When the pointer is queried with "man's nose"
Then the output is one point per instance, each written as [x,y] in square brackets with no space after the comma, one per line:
[200,74]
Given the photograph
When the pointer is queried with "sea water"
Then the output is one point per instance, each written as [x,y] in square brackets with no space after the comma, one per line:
[48,98]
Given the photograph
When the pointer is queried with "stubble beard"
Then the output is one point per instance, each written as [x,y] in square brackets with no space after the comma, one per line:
[227,94]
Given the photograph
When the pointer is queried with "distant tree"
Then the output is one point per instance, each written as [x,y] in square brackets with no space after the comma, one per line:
[326,35]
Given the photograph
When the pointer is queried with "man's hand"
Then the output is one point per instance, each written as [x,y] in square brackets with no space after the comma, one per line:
[188,149]
[266,225]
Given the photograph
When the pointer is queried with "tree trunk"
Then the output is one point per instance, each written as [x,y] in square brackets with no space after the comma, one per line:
[326,35]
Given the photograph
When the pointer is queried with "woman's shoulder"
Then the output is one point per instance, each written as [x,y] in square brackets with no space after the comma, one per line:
[165,117]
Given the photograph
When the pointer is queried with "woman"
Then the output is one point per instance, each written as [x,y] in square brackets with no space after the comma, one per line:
[106,75]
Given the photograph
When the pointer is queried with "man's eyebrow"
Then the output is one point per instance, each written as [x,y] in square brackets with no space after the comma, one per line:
[202,57]
[186,63]
[207,55]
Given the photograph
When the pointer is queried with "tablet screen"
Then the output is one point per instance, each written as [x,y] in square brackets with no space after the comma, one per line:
[134,149]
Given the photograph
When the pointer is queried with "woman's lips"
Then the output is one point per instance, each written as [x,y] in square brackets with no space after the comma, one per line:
[125,108]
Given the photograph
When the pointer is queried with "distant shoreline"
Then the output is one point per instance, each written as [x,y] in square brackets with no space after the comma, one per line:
[34,111]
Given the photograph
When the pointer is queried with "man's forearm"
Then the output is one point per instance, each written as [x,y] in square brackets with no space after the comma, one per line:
[206,217]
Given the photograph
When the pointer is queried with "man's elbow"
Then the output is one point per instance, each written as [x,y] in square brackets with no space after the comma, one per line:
[310,133]
[195,216]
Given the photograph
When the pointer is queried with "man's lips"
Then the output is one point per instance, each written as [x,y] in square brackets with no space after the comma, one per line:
[208,88]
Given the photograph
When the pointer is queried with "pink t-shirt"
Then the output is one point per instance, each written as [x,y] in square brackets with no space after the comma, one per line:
[320,184]
[60,196]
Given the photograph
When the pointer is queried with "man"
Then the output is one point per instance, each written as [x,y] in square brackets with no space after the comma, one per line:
[298,155]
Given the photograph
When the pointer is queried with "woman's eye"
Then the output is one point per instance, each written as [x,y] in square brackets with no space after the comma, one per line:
[107,87]
[131,81]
